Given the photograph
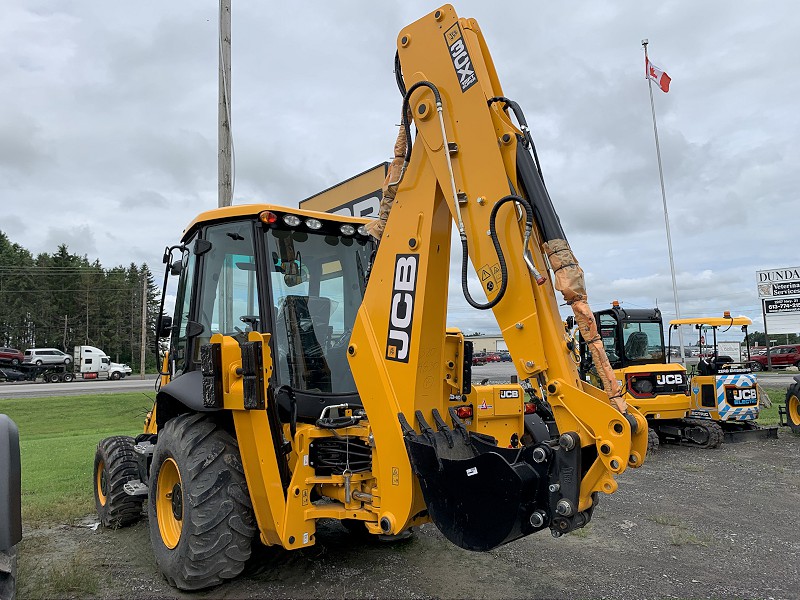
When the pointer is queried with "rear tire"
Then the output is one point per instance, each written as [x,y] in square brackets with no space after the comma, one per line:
[201,517]
[114,465]
[756,367]
[68,377]
[793,407]
[8,579]
[14,362]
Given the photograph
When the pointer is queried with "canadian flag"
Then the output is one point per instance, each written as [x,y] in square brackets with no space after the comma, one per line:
[657,75]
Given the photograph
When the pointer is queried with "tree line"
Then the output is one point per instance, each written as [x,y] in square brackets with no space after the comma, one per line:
[62,300]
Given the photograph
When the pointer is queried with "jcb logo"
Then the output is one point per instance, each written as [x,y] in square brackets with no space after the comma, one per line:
[461,60]
[509,393]
[669,379]
[401,313]
[742,396]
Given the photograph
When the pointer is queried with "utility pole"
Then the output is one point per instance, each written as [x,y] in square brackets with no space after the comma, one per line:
[224,139]
[144,325]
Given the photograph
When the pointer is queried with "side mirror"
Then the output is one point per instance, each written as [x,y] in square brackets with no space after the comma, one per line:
[164,326]
[570,322]
[176,267]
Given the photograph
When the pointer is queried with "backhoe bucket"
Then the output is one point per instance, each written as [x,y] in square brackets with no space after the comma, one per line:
[479,495]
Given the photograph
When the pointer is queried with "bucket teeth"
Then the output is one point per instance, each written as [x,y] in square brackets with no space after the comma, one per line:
[408,431]
[442,427]
[458,425]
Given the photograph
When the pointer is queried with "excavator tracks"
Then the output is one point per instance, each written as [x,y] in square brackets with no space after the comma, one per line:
[702,433]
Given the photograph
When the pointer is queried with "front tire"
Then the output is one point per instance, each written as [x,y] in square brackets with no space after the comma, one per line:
[114,465]
[652,441]
[114,376]
[201,517]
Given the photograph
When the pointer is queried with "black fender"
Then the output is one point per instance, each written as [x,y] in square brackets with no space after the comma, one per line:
[10,485]
[182,394]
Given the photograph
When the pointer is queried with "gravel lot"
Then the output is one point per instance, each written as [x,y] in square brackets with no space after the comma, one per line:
[688,524]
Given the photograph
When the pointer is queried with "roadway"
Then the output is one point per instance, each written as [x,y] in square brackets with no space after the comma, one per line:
[493,372]
[79,387]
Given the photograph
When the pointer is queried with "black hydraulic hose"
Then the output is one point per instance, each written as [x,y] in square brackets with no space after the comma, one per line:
[501,259]
[525,129]
[398,74]
[529,171]
[406,124]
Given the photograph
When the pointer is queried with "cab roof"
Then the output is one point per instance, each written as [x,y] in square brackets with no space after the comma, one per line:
[713,321]
[230,213]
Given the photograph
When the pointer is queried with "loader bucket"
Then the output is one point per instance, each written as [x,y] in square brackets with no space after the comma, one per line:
[479,495]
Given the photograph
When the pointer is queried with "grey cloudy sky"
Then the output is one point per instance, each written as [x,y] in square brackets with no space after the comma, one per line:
[108,126]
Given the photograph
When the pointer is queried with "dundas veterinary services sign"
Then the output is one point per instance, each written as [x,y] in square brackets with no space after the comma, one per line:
[779,292]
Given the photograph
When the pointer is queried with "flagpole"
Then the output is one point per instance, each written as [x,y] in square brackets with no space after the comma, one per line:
[664,201]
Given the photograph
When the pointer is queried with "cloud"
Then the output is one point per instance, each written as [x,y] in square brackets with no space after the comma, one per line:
[108,134]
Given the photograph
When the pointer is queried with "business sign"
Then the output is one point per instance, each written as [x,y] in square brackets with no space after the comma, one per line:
[779,291]
[732,349]
[781,305]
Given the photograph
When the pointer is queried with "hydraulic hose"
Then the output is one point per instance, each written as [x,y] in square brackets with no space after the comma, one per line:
[496,242]
[523,125]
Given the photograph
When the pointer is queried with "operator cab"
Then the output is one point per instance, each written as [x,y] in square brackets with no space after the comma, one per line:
[298,275]
[630,336]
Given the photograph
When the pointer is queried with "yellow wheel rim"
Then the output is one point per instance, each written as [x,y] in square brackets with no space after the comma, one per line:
[169,503]
[794,410]
[101,483]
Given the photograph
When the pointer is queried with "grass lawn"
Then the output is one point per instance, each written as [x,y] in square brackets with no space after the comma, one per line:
[58,437]
[769,416]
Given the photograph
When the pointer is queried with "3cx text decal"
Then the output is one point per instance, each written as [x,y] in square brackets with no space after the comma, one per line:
[460,57]
[401,312]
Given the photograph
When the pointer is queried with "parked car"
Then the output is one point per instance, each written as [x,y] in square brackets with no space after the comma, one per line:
[781,357]
[505,357]
[46,356]
[479,359]
[9,374]
[11,356]
[492,357]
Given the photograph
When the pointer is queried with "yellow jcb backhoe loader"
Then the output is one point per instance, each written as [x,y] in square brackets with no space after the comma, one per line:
[307,380]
